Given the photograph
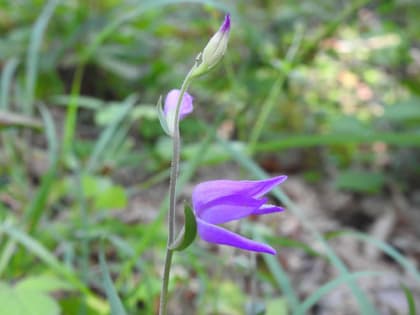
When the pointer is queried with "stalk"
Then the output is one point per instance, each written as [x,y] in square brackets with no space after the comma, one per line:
[176,149]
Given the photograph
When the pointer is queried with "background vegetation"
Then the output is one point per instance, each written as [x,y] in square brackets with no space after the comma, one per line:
[326,92]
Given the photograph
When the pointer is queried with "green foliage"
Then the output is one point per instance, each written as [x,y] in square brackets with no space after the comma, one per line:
[363,182]
[410,301]
[32,295]
[277,307]
[404,112]
[116,306]
[19,301]
[103,193]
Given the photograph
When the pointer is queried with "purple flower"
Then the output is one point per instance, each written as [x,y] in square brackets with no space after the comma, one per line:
[169,108]
[220,201]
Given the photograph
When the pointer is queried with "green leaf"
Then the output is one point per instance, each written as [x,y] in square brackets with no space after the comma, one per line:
[110,114]
[43,283]
[330,286]
[188,233]
[112,197]
[386,248]
[108,135]
[287,242]
[6,78]
[117,307]
[410,300]
[34,53]
[38,303]
[85,102]
[119,67]
[216,152]
[359,181]
[32,246]
[162,118]
[401,139]
[9,120]
[21,300]
[348,125]
[404,111]
[103,193]
[277,307]
[280,275]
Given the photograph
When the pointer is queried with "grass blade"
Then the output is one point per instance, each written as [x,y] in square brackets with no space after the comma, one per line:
[387,249]
[117,307]
[329,286]
[41,252]
[34,211]
[33,53]
[108,135]
[305,141]
[281,278]
[133,13]
[36,248]
[306,51]
[6,80]
[410,300]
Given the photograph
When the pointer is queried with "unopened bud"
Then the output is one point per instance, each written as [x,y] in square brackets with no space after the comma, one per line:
[215,48]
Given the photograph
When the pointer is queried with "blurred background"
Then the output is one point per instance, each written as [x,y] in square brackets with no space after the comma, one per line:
[326,92]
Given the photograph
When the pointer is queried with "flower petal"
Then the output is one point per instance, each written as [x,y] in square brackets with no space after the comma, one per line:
[229,208]
[265,209]
[218,235]
[169,108]
[225,27]
[207,191]
[172,99]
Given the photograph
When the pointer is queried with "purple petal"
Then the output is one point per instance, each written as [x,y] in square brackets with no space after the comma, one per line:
[225,27]
[218,235]
[229,208]
[208,191]
[172,99]
[265,209]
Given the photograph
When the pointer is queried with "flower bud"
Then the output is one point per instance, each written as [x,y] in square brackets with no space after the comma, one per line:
[186,107]
[215,48]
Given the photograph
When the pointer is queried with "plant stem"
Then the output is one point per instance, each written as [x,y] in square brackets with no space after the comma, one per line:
[165,283]
[176,149]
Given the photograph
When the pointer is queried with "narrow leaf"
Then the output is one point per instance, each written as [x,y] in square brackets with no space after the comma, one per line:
[116,306]
[161,116]
[9,119]
[188,233]
[410,300]
[330,286]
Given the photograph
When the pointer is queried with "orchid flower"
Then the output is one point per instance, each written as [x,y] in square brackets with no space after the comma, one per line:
[169,108]
[221,201]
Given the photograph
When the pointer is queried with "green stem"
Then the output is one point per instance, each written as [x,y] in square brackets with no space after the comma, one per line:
[176,148]
[165,282]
